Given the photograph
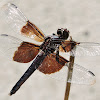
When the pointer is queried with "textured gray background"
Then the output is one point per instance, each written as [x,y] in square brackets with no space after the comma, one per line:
[82,18]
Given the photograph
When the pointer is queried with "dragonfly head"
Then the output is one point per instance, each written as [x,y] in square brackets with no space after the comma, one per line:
[63,33]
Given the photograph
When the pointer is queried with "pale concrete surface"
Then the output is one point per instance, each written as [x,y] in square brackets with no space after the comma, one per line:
[82,18]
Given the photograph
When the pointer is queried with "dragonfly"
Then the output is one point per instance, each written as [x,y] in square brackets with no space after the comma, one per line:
[45,57]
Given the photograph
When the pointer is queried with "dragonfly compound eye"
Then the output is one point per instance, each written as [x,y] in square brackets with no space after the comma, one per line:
[59,32]
[63,33]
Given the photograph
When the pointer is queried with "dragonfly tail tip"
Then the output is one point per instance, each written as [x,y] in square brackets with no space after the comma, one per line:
[11,93]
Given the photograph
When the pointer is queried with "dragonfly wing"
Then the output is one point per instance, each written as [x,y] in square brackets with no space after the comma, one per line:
[58,71]
[19,23]
[87,49]
[9,44]
[51,65]
[16,49]
[82,48]
[13,16]
[81,75]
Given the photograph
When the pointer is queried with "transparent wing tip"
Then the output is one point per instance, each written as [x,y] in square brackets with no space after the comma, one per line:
[93,80]
[90,82]
[81,75]
[8,5]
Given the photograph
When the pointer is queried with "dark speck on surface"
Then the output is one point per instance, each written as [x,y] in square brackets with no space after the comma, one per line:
[86,33]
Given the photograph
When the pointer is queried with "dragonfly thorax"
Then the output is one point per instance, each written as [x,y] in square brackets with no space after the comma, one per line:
[50,44]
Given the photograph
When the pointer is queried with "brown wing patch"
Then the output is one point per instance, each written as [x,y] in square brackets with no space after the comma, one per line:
[32,31]
[50,65]
[67,46]
[26,52]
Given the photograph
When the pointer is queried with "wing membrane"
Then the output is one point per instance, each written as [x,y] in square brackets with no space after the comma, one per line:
[16,49]
[82,48]
[50,65]
[19,23]
[81,75]
[87,49]
[58,71]
[26,52]
[9,44]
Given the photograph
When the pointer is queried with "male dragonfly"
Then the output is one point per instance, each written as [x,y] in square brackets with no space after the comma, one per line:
[44,57]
